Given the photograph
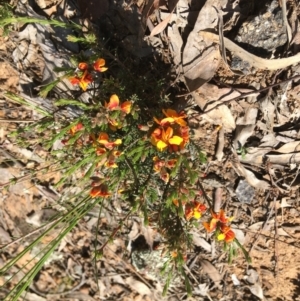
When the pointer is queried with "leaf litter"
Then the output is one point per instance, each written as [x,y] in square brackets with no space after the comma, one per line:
[187,34]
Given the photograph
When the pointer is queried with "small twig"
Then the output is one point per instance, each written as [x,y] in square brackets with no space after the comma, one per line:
[243,94]
[262,228]
[115,231]
[25,177]
[29,234]
[276,257]
[136,180]
[75,288]
[250,93]
[218,199]
[205,195]
[17,120]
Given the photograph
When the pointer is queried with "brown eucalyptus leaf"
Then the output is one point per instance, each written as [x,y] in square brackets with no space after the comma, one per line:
[211,271]
[220,116]
[256,290]
[282,232]
[138,286]
[161,26]
[255,155]
[284,159]
[200,242]
[253,180]
[268,110]
[284,203]
[201,56]
[289,147]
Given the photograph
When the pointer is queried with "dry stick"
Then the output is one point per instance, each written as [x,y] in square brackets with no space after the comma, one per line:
[65,293]
[129,266]
[244,94]
[275,240]
[29,234]
[259,232]
[250,93]
[17,120]
[25,177]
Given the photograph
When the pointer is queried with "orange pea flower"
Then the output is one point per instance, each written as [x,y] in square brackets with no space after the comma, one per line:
[100,191]
[83,66]
[194,210]
[114,104]
[226,234]
[158,164]
[164,175]
[99,65]
[111,163]
[162,138]
[216,218]
[126,106]
[74,129]
[184,134]
[220,222]
[171,117]
[100,151]
[75,80]
[83,82]
[171,163]
[103,139]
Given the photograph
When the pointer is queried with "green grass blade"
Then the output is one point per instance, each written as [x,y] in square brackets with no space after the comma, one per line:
[27,20]
[22,101]
[66,102]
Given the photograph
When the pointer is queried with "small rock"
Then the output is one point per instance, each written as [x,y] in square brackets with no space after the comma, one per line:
[245,192]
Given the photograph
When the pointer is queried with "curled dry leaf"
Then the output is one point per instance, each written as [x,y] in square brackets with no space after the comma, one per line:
[200,57]
[161,26]
[252,276]
[200,242]
[211,271]
[255,155]
[218,199]
[245,127]
[257,290]
[220,116]
[221,143]
[138,286]
[250,177]
[289,147]
[235,280]
[284,159]
[139,229]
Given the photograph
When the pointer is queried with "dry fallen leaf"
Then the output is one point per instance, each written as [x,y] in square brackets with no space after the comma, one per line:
[201,57]
[200,242]
[211,271]
[161,26]
[137,286]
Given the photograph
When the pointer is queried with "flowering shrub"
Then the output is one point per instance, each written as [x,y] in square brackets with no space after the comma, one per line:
[149,164]
[83,76]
